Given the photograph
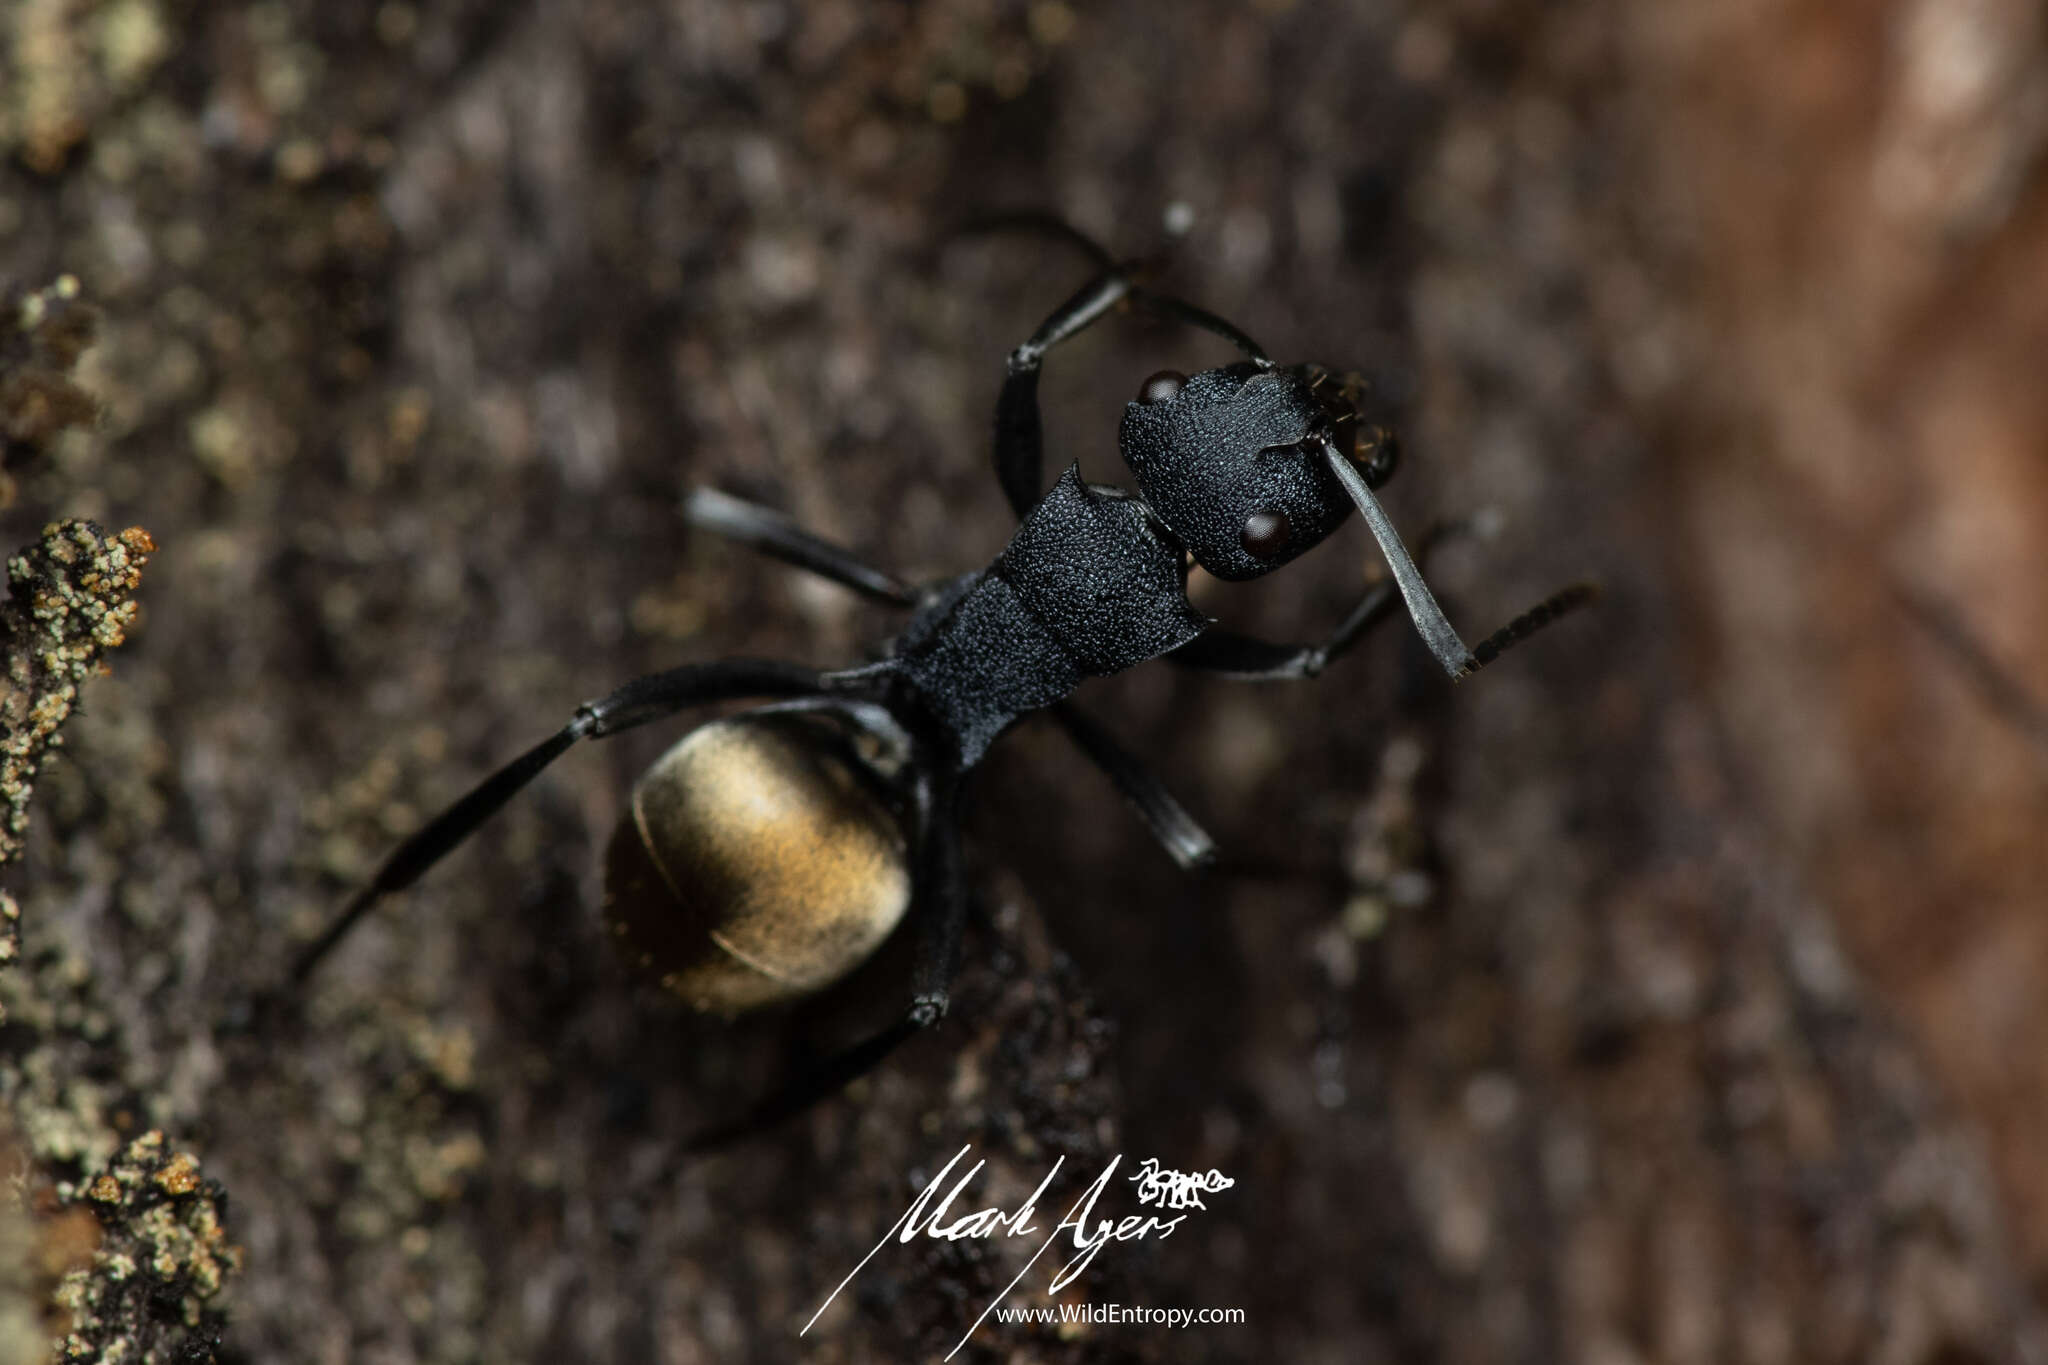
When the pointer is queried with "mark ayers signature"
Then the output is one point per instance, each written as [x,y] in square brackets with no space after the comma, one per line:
[931,1215]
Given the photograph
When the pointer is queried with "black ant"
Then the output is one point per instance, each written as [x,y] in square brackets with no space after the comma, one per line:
[769,853]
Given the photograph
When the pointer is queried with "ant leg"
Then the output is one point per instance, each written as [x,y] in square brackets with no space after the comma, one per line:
[940,913]
[1180,310]
[637,703]
[776,536]
[1246,658]
[1045,224]
[1186,842]
[1020,436]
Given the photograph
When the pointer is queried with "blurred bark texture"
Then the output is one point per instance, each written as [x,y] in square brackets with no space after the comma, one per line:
[1676,990]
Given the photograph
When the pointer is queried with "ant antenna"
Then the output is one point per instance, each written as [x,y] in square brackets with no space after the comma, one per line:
[1122,275]
[1430,622]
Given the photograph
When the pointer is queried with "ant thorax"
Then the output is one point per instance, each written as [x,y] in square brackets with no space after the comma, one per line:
[1086,588]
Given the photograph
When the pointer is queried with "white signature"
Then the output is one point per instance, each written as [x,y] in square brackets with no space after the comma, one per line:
[1157,1187]
[1176,1189]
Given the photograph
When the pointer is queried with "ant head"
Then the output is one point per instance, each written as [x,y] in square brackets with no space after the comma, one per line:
[1233,460]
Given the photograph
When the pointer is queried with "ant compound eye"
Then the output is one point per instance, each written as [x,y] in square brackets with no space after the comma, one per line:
[1162,387]
[1265,534]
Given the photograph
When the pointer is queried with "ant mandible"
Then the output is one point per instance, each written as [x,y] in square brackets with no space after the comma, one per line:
[769,853]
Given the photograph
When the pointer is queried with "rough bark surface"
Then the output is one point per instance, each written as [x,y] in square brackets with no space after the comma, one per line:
[1671,991]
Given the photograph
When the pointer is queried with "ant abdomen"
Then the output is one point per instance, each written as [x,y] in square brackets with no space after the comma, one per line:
[763,857]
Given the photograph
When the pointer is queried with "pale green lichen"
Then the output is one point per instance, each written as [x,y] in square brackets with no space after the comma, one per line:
[70,603]
[163,1258]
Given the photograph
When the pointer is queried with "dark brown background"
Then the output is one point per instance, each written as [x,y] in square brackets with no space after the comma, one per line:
[1707,1020]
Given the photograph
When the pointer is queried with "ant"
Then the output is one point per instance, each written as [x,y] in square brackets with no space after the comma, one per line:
[767,854]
